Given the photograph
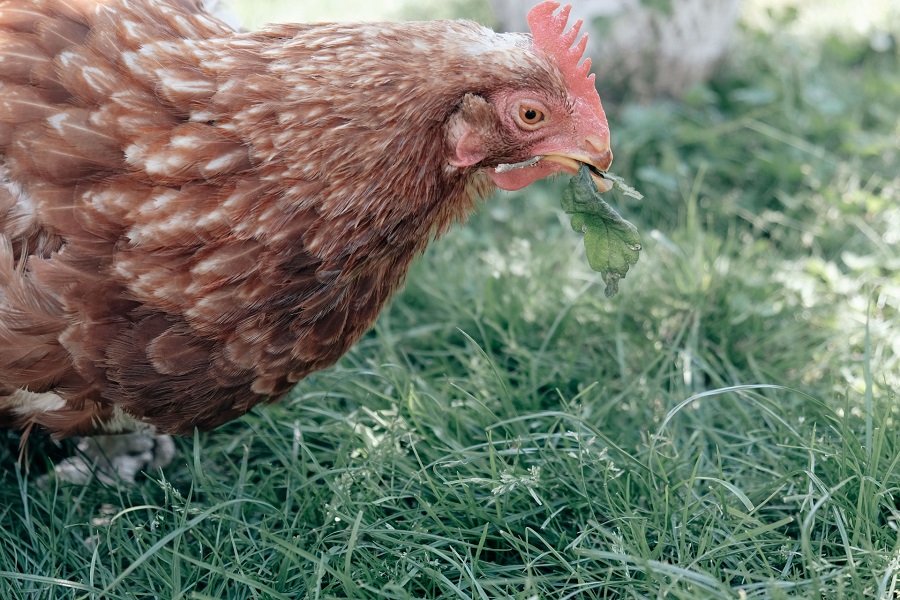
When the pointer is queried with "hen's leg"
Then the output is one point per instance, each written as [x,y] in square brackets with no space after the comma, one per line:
[125,447]
[116,458]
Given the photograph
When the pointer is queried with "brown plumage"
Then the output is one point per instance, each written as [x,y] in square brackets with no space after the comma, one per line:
[193,219]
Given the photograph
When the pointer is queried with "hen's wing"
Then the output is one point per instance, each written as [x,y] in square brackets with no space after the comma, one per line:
[94,100]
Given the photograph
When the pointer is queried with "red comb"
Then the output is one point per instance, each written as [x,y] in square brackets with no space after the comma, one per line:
[550,35]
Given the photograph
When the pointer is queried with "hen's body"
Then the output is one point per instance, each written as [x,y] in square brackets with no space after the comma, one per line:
[192,220]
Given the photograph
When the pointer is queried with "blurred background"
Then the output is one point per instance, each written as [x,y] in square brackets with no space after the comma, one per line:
[651,46]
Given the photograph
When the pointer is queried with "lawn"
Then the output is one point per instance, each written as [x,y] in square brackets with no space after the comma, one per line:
[724,427]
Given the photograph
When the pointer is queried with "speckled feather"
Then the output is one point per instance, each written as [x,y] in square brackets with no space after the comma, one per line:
[192,219]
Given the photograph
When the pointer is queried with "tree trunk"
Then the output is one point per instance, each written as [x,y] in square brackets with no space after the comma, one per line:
[649,47]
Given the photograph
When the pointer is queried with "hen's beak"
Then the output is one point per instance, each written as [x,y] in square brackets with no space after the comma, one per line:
[572,162]
[595,153]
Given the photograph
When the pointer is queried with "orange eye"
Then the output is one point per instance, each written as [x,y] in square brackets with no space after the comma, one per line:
[530,115]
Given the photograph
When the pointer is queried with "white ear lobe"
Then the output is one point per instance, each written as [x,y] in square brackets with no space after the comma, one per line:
[466,147]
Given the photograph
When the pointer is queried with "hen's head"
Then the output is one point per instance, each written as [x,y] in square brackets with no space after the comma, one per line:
[541,124]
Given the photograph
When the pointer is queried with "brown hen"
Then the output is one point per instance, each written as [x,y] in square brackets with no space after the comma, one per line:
[192,219]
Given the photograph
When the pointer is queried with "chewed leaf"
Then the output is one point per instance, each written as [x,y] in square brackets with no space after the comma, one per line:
[612,243]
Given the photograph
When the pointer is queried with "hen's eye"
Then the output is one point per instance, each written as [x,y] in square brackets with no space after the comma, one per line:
[530,115]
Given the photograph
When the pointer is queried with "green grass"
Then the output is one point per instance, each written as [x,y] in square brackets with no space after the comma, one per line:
[723,428]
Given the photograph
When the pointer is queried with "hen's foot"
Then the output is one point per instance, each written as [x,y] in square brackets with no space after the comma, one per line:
[116,458]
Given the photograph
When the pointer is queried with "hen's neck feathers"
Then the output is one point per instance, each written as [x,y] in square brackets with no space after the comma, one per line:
[348,118]
[364,107]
